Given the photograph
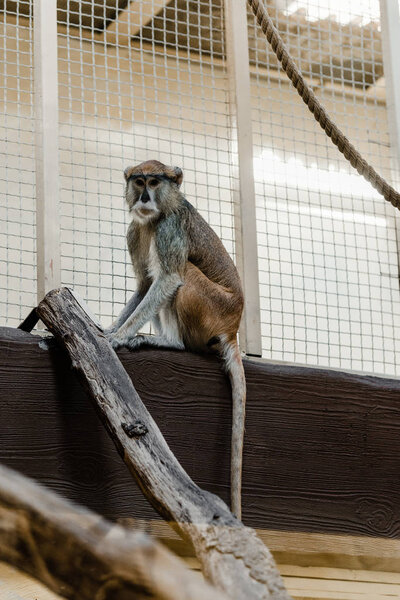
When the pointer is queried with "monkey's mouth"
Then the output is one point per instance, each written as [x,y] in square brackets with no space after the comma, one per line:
[145,212]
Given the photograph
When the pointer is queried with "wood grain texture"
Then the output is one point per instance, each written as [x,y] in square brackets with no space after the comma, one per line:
[322,450]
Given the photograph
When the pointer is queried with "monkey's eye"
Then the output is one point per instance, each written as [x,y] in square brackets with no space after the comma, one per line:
[153,182]
[139,182]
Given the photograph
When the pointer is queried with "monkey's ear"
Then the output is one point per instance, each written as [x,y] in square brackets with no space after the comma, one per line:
[127,173]
[178,173]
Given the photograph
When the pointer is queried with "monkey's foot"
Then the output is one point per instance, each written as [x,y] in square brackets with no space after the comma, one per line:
[139,340]
[136,341]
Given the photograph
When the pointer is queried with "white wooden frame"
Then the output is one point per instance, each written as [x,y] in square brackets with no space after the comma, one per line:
[390,25]
[47,172]
[237,51]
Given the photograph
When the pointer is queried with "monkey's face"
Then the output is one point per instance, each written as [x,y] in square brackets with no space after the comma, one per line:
[143,197]
[151,190]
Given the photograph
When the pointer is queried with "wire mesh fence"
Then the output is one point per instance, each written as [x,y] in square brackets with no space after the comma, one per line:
[130,92]
[142,80]
[327,242]
[17,163]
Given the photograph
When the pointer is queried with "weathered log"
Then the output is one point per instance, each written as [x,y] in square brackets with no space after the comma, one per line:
[80,555]
[231,555]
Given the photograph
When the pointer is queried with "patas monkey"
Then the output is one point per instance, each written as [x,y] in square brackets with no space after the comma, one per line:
[188,287]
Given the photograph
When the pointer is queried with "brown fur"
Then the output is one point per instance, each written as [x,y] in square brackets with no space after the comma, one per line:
[206,309]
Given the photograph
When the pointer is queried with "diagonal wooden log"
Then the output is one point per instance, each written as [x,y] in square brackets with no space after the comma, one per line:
[231,555]
[81,556]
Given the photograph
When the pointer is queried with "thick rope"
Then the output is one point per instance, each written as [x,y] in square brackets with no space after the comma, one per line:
[319,112]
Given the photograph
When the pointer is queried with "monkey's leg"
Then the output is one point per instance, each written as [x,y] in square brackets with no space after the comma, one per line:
[159,341]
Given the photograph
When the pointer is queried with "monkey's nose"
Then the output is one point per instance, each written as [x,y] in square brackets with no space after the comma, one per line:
[145,197]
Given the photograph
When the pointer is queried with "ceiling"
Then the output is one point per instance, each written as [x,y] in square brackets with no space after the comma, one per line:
[326,49]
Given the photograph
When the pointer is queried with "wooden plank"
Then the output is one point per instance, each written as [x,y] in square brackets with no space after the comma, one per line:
[294,572]
[339,586]
[45,51]
[322,452]
[16,585]
[390,24]
[246,249]
[327,573]
[332,595]
[305,550]
[325,583]
[327,550]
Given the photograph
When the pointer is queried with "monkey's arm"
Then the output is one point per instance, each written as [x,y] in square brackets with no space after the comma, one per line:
[171,256]
[159,293]
[126,312]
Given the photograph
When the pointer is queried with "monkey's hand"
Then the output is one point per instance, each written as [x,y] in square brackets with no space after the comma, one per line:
[129,342]
[109,332]
[116,341]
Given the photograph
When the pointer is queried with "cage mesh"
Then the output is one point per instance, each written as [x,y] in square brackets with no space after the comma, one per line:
[149,84]
[327,241]
[17,163]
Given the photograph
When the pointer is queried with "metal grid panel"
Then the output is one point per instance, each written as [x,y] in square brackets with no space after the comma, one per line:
[327,241]
[140,80]
[17,164]
[150,83]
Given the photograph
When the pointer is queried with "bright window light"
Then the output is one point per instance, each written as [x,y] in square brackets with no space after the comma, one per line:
[269,167]
[341,10]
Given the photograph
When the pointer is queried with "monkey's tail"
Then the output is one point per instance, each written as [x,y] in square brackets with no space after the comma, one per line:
[233,365]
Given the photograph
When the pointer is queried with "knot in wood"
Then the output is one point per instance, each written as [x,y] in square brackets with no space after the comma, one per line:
[134,430]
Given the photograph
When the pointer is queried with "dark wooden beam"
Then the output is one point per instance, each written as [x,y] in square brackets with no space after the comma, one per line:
[322,450]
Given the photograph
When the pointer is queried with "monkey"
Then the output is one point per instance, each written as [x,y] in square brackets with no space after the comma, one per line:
[187,286]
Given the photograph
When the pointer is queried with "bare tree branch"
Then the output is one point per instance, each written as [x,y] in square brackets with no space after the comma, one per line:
[80,555]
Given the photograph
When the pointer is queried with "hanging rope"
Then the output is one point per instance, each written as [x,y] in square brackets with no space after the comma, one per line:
[319,112]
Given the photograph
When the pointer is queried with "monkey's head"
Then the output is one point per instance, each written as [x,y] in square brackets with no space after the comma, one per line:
[152,189]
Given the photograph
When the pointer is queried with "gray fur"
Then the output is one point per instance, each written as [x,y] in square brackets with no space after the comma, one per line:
[132,304]
[166,228]
[159,293]
[159,341]
[172,244]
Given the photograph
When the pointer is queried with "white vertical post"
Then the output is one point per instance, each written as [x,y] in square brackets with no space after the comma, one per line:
[390,26]
[237,53]
[46,118]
